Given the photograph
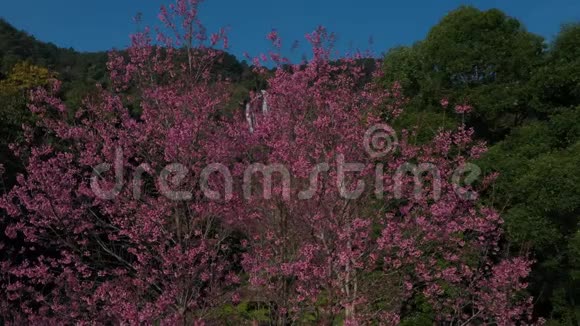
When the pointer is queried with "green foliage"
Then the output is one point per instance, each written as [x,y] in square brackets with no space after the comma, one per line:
[17,46]
[425,124]
[557,83]
[538,189]
[403,65]
[242,313]
[422,313]
[484,58]
[526,100]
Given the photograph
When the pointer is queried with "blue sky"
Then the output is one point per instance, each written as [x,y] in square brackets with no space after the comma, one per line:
[105,24]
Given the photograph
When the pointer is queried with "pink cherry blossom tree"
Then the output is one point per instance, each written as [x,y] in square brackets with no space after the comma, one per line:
[328,247]
[128,253]
[119,218]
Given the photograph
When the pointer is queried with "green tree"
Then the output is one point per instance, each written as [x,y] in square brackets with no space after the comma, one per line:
[485,58]
[557,82]
[539,166]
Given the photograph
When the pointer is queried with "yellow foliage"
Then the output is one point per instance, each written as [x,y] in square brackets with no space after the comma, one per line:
[25,76]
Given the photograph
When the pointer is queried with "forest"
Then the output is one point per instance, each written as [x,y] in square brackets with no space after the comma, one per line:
[479,94]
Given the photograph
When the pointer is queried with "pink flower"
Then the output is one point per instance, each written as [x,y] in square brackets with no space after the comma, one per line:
[236,298]
[465,108]
[444,103]
[273,35]
[275,39]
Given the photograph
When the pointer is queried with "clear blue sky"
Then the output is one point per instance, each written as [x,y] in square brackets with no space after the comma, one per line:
[105,24]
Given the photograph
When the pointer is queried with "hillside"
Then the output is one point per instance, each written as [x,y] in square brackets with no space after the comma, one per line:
[17,46]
